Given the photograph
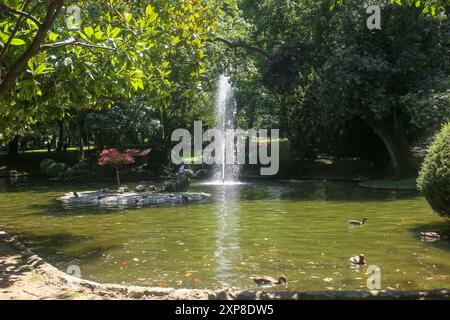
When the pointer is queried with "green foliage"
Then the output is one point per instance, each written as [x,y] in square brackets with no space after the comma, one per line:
[319,74]
[120,49]
[54,169]
[334,79]
[428,111]
[434,179]
[45,164]
[51,168]
[428,7]
[372,74]
[124,124]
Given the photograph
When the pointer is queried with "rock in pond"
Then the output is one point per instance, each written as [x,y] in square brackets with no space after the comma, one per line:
[130,199]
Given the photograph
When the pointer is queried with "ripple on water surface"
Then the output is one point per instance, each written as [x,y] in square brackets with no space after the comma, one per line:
[298,229]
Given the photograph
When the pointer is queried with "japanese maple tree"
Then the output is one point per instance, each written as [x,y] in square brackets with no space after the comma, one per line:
[117,159]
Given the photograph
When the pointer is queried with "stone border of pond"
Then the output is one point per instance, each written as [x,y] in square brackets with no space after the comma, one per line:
[56,278]
[390,184]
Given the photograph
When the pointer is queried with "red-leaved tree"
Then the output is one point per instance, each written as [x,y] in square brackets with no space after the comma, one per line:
[117,159]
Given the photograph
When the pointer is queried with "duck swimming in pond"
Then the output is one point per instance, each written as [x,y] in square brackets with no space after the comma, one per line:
[269,281]
[358,259]
[430,236]
[357,222]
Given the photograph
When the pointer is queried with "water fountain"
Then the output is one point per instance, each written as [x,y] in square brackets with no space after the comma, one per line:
[226,117]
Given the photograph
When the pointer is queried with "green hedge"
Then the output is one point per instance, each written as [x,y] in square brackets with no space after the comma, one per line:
[54,169]
[45,163]
[434,178]
[51,168]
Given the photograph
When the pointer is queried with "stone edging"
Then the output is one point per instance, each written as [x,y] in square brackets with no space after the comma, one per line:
[369,185]
[53,276]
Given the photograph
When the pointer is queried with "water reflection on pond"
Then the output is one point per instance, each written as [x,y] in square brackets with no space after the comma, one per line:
[295,228]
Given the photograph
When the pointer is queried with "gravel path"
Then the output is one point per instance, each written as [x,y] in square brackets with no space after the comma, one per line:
[20,281]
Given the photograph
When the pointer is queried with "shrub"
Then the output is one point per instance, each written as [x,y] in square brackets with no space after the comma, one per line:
[45,163]
[434,178]
[54,169]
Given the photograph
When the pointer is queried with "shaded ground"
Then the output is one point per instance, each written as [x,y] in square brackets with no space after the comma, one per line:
[20,281]
[28,163]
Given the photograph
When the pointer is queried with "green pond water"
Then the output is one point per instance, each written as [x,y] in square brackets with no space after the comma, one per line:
[293,228]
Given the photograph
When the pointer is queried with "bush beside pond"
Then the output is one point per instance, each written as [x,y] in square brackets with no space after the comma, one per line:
[434,179]
[55,169]
[51,168]
[45,163]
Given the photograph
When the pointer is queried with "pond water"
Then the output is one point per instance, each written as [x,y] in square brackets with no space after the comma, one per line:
[293,228]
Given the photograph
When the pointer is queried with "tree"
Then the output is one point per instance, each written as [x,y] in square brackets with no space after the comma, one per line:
[429,7]
[50,13]
[371,74]
[343,72]
[117,160]
[124,124]
[119,49]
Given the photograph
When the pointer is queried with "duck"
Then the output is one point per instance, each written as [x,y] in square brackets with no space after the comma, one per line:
[357,222]
[269,281]
[358,259]
[75,194]
[430,236]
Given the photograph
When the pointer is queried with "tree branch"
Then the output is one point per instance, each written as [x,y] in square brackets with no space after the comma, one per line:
[21,13]
[19,65]
[240,44]
[256,45]
[19,22]
[74,42]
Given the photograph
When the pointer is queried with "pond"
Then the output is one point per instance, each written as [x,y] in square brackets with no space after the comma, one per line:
[294,228]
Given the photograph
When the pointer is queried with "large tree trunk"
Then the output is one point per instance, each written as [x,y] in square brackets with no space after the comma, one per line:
[13,149]
[81,148]
[394,138]
[165,138]
[82,137]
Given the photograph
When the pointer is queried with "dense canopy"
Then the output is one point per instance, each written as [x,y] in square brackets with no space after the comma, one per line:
[312,68]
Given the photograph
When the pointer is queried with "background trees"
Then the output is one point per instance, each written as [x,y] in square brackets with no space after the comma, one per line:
[123,125]
[336,78]
[132,73]
[48,67]
[372,74]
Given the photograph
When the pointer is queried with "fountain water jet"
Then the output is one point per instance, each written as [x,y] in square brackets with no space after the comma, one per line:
[226,116]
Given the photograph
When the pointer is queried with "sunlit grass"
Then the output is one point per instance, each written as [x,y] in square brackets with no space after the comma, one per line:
[53,150]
